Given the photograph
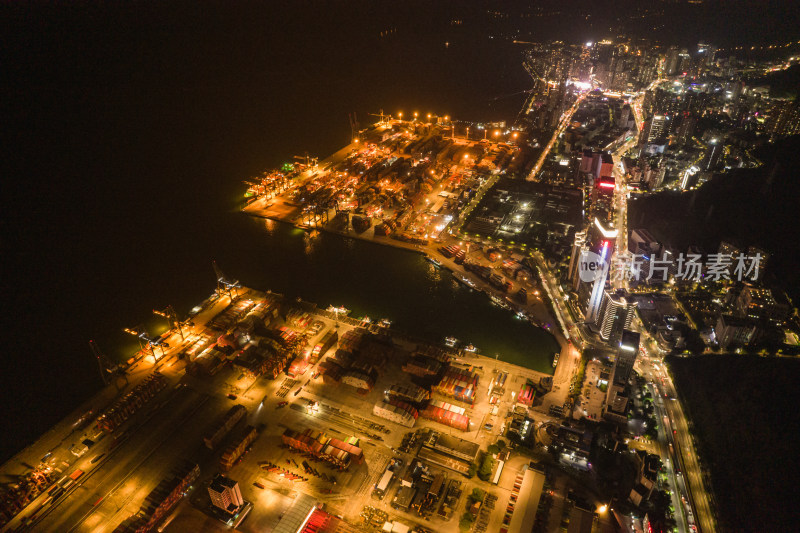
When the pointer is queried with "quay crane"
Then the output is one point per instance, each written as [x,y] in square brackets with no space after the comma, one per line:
[172,318]
[224,284]
[309,161]
[146,341]
[355,134]
[107,369]
[384,118]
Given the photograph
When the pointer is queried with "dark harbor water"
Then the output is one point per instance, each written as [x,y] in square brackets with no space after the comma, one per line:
[131,132]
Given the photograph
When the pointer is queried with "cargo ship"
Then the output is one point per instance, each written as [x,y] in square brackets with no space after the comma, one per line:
[433,261]
[464,280]
[500,302]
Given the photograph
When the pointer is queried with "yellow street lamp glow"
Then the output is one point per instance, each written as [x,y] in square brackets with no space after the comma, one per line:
[400,114]
[415,114]
[429,116]
[602,509]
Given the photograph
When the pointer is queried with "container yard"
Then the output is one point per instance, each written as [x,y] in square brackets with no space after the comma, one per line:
[409,392]
[447,414]
[398,183]
[337,452]
[355,387]
[458,384]
[224,426]
[17,496]
[161,500]
[396,411]
[235,450]
[131,402]
[527,394]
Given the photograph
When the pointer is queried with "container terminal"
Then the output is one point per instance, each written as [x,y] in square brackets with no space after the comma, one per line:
[259,411]
[413,184]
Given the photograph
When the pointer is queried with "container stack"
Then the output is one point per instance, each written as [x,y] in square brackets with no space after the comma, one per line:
[338,453]
[233,452]
[422,367]
[223,427]
[411,393]
[447,414]
[396,411]
[458,384]
[298,318]
[131,402]
[298,367]
[325,344]
[526,394]
[351,341]
[161,500]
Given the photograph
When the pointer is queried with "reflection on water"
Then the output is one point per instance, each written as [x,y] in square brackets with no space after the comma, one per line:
[384,282]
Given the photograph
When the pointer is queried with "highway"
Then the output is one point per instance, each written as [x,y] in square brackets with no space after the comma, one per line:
[670,406]
[689,482]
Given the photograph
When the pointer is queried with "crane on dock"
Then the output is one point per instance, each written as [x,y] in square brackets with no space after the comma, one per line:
[309,161]
[146,341]
[355,134]
[225,284]
[172,317]
[384,118]
[107,369]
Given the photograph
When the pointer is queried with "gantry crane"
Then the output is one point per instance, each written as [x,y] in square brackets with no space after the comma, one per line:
[309,161]
[172,317]
[107,369]
[224,284]
[384,118]
[355,133]
[146,341]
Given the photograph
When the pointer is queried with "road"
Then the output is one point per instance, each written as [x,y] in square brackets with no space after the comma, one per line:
[115,489]
[562,125]
[669,406]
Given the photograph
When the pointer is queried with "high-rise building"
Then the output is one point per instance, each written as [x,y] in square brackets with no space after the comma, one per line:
[599,285]
[225,494]
[617,394]
[578,246]
[654,127]
[732,331]
[627,351]
[602,165]
[760,303]
[616,315]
